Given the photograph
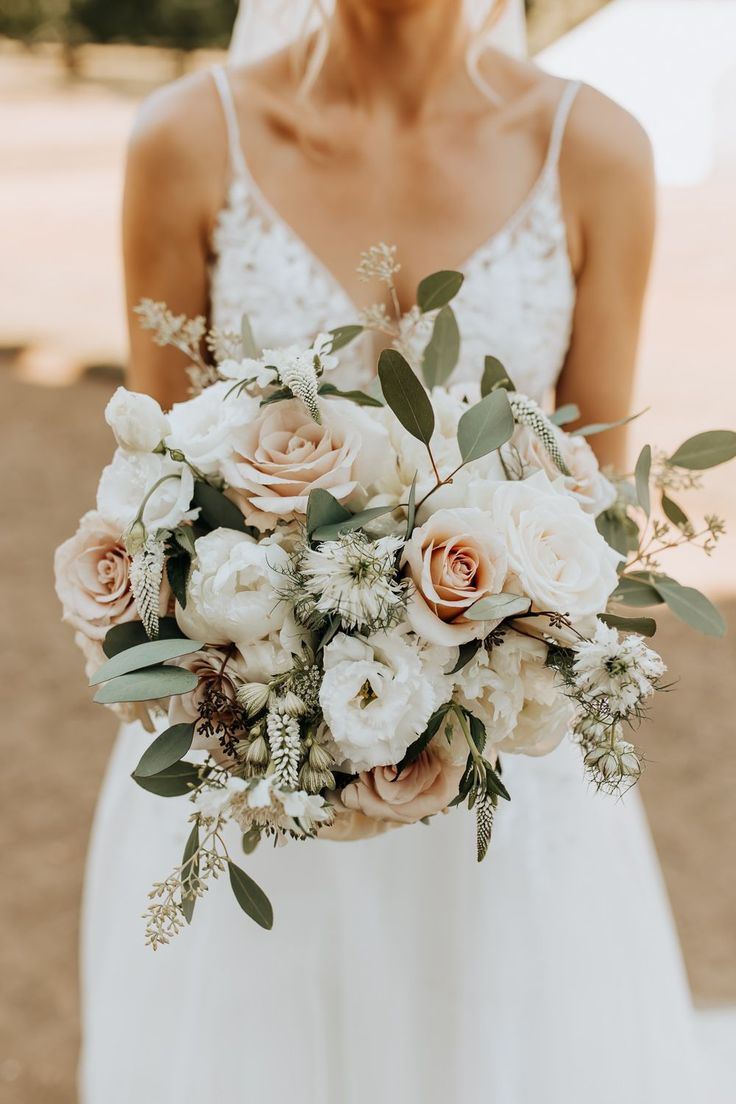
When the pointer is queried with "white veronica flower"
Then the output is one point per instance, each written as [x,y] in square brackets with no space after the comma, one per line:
[203,427]
[138,422]
[355,578]
[126,481]
[623,670]
[377,695]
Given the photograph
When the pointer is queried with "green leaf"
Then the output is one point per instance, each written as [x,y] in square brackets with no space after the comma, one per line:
[494,783]
[644,626]
[405,395]
[190,873]
[167,749]
[131,633]
[153,682]
[215,510]
[149,654]
[178,569]
[247,341]
[281,394]
[494,376]
[485,426]
[705,450]
[618,530]
[477,730]
[603,427]
[250,897]
[465,654]
[495,606]
[174,781]
[673,512]
[635,592]
[355,521]
[641,477]
[250,840]
[565,414]
[411,507]
[443,349]
[324,509]
[690,606]
[343,335]
[415,750]
[358,397]
[438,289]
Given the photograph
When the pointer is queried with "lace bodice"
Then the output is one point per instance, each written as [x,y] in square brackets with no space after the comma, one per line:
[516,302]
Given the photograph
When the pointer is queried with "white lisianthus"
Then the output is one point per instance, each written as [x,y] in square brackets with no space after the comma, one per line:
[560,559]
[377,695]
[246,369]
[212,801]
[232,596]
[138,422]
[623,670]
[131,476]
[203,427]
[353,577]
[518,699]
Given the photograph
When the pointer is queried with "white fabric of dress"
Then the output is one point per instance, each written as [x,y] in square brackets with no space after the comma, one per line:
[398,971]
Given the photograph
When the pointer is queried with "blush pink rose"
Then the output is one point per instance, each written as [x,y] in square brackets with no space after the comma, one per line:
[220,672]
[453,560]
[425,787]
[92,577]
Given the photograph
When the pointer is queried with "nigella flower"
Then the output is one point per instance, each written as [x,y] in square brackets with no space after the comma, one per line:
[354,578]
[621,671]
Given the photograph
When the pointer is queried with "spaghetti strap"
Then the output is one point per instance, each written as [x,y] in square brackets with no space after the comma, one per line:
[559,123]
[225,92]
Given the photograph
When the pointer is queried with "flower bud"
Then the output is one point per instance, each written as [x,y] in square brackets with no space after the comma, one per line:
[257,754]
[253,696]
[291,704]
[134,537]
[320,758]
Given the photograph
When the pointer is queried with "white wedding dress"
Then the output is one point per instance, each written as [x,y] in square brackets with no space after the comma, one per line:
[399,971]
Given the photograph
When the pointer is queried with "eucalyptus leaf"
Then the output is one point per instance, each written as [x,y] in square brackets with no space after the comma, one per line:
[603,427]
[190,873]
[496,606]
[250,840]
[465,654]
[636,592]
[355,521]
[247,340]
[438,289]
[215,510]
[167,749]
[705,450]
[485,426]
[614,527]
[174,781]
[442,351]
[494,376]
[324,509]
[360,398]
[144,655]
[343,335]
[131,633]
[674,513]
[411,507]
[690,606]
[250,897]
[153,682]
[565,414]
[405,395]
[641,477]
[644,626]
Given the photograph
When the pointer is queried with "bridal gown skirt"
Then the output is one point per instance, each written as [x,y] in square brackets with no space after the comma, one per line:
[399,971]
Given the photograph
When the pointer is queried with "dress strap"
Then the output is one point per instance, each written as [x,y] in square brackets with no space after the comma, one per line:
[225,92]
[559,123]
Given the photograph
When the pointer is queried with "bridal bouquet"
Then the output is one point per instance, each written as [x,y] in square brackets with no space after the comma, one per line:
[349,606]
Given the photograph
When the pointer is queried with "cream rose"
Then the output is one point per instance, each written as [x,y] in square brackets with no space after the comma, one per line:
[284,454]
[586,482]
[203,428]
[138,422]
[554,549]
[455,558]
[425,787]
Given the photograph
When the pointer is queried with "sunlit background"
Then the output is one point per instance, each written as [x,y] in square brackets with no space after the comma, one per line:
[72,73]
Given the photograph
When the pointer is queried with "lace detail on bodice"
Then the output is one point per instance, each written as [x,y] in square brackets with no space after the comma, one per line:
[516,302]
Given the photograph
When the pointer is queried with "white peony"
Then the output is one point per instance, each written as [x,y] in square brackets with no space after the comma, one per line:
[378,694]
[138,422]
[517,698]
[203,427]
[232,595]
[126,481]
[560,559]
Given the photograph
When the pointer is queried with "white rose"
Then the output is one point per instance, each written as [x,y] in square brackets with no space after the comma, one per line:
[517,698]
[232,595]
[560,559]
[203,427]
[378,694]
[131,476]
[138,422]
[586,482]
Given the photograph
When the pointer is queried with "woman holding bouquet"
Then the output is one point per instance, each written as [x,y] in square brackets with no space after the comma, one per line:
[397,970]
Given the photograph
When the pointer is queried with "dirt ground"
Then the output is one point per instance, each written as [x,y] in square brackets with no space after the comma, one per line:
[60,306]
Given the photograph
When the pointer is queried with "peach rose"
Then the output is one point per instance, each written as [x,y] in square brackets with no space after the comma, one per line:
[453,560]
[284,454]
[92,582]
[425,787]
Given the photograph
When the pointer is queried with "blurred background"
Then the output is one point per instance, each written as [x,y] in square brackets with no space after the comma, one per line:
[72,73]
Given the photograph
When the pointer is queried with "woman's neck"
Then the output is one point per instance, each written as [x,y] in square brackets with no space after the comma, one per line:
[395,56]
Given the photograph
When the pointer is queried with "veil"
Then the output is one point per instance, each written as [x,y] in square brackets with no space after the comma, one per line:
[263,26]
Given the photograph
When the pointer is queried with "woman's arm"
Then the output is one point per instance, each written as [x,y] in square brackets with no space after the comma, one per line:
[607,173]
[175,176]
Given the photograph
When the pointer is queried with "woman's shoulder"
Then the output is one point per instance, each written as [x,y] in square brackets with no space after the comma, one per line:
[177,120]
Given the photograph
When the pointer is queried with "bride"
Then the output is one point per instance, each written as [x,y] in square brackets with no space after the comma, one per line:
[398,971]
